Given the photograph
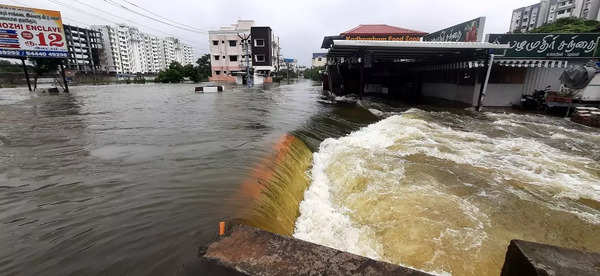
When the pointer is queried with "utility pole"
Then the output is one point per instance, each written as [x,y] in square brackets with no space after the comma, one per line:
[245,47]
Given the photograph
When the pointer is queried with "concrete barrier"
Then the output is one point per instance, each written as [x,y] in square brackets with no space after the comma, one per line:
[528,258]
[245,250]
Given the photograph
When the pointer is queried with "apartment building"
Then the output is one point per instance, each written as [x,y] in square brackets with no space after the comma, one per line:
[127,50]
[228,52]
[527,18]
[84,46]
[265,53]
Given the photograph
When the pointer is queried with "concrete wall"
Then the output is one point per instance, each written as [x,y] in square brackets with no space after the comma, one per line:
[460,93]
[503,94]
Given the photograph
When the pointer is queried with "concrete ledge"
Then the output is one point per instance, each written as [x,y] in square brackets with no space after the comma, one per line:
[529,258]
[245,250]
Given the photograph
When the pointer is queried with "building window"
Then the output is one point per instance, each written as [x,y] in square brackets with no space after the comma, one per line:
[223,41]
[259,58]
[217,72]
[232,43]
[216,57]
[215,42]
[319,59]
[233,58]
[259,42]
[224,72]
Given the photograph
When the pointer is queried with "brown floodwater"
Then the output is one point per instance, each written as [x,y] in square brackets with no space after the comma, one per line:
[131,179]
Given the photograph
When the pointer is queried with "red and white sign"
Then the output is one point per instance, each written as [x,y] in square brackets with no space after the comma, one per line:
[28,32]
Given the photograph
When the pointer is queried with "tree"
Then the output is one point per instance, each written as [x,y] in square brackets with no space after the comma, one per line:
[173,74]
[203,67]
[43,66]
[569,25]
[314,73]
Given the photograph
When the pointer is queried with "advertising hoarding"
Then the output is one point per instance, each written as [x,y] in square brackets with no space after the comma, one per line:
[29,32]
[533,45]
[470,31]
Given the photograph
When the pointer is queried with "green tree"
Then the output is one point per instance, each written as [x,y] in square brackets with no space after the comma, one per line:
[203,67]
[173,74]
[314,73]
[569,25]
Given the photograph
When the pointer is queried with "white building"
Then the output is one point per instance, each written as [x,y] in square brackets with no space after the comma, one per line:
[227,54]
[129,51]
[319,59]
[547,11]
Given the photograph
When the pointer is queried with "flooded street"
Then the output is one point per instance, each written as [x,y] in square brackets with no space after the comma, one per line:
[131,179]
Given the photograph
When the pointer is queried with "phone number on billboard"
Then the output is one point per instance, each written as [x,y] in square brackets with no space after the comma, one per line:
[33,54]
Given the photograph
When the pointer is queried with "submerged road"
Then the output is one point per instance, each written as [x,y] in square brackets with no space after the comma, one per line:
[131,179]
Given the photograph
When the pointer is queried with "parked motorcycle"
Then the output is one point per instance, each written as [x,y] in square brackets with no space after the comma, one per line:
[536,101]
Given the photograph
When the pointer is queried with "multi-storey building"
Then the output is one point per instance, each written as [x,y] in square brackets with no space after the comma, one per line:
[228,53]
[129,51]
[547,11]
[265,53]
[85,46]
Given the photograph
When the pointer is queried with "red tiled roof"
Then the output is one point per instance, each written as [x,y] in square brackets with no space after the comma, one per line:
[380,29]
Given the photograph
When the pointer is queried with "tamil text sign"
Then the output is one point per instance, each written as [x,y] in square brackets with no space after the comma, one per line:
[28,32]
[581,45]
[470,31]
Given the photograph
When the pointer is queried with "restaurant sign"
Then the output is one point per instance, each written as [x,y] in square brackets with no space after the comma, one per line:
[28,32]
[470,31]
[385,37]
[580,45]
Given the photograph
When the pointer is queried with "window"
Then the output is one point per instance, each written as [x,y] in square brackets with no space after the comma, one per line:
[223,57]
[215,42]
[233,58]
[319,59]
[259,42]
[232,43]
[216,57]
[223,41]
[259,58]
[217,72]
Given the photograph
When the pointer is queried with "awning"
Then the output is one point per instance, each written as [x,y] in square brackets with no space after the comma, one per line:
[532,63]
[526,63]
[425,52]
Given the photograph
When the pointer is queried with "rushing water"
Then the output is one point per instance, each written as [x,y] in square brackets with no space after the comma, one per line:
[131,179]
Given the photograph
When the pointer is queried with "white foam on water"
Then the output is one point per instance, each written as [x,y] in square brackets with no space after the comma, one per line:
[370,162]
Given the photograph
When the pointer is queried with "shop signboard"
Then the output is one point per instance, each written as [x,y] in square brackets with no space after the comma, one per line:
[534,45]
[29,32]
[470,31]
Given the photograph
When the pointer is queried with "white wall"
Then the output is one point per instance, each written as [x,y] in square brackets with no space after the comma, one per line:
[503,94]
[460,93]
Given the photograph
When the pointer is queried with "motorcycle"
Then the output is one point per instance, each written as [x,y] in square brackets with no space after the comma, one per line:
[536,101]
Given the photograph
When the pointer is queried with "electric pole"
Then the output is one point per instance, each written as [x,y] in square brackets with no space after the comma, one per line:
[245,47]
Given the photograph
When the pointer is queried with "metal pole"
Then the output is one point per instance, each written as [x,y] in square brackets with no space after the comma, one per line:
[26,74]
[484,85]
[62,72]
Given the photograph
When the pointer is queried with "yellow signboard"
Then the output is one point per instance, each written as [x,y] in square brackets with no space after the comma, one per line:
[29,32]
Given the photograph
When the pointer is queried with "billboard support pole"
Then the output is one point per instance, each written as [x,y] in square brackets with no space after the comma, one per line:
[62,73]
[26,74]
[484,85]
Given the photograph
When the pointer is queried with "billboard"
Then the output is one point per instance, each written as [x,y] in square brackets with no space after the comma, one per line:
[28,32]
[470,31]
[533,45]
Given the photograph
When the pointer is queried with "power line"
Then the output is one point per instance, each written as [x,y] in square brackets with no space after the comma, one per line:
[151,18]
[155,14]
[112,21]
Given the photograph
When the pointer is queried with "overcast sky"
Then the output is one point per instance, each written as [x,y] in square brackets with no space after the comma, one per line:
[300,24]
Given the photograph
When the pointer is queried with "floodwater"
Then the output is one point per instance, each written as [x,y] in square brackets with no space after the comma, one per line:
[131,179]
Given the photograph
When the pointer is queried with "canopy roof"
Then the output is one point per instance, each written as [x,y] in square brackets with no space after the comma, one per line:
[420,50]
